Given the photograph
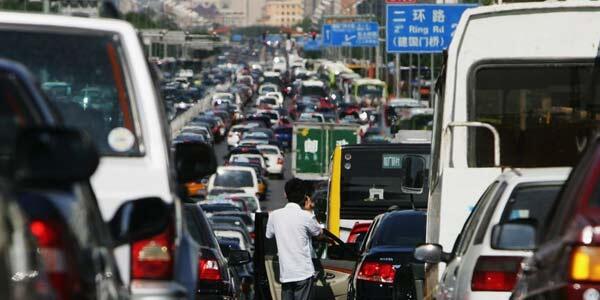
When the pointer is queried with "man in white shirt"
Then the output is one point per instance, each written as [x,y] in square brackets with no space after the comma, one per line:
[293,227]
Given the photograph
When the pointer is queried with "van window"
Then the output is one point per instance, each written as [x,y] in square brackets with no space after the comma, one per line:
[84,77]
[533,107]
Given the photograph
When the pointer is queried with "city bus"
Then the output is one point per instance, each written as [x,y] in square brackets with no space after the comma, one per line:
[528,97]
[367,179]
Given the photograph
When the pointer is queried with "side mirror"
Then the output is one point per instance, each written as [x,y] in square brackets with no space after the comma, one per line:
[515,235]
[414,174]
[194,161]
[54,155]
[239,257]
[139,219]
[431,253]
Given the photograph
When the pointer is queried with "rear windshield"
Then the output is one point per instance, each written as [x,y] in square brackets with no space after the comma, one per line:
[83,75]
[400,230]
[530,202]
[270,101]
[269,151]
[234,178]
[268,89]
[313,91]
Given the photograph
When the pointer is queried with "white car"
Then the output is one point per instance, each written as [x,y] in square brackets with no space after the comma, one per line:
[267,102]
[491,246]
[268,88]
[278,96]
[275,160]
[235,135]
[312,117]
[220,98]
[235,177]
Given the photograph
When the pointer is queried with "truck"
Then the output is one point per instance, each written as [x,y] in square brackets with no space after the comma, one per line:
[313,145]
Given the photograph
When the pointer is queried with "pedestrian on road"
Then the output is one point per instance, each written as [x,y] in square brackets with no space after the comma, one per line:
[293,227]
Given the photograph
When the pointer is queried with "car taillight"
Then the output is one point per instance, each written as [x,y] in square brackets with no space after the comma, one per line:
[209,269]
[584,263]
[376,272]
[280,161]
[495,273]
[52,249]
[153,258]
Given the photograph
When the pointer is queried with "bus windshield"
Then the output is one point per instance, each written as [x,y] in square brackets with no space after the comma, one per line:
[370,89]
[371,181]
[532,107]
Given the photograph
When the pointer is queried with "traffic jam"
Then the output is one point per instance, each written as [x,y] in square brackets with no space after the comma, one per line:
[279,166]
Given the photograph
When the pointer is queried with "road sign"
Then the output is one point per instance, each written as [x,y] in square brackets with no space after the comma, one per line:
[423,28]
[236,38]
[326,34]
[355,34]
[312,45]
[313,145]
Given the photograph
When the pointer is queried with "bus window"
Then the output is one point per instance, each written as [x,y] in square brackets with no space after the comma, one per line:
[533,107]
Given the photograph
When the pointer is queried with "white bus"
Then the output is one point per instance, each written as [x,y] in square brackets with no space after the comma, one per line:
[519,89]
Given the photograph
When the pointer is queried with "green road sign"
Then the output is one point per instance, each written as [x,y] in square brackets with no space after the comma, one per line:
[313,145]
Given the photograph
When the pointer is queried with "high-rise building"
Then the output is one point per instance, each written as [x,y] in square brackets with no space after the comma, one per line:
[282,13]
[310,6]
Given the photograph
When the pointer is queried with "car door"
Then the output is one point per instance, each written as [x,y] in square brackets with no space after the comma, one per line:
[332,274]
[449,283]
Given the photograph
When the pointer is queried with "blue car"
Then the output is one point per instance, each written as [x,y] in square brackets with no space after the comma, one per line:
[284,136]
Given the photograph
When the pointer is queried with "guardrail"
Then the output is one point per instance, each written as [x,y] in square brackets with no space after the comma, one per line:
[202,105]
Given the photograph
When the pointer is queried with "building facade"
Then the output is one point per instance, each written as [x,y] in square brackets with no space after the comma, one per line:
[284,13]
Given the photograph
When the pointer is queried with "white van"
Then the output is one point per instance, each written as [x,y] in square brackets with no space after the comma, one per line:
[127,124]
[512,93]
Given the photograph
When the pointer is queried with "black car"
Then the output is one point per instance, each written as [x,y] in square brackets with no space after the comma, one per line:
[216,279]
[386,268]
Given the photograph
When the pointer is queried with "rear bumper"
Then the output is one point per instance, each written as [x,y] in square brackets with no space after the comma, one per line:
[155,290]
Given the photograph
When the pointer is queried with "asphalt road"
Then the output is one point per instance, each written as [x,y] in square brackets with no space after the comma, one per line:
[275,196]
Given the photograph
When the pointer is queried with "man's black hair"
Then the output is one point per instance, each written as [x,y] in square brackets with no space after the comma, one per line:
[296,190]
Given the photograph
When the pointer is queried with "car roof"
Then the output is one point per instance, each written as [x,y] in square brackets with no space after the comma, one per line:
[235,168]
[516,176]
[317,83]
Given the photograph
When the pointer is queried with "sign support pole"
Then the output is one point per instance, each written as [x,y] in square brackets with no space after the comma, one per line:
[431,86]
[397,75]
[410,75]
[419,74]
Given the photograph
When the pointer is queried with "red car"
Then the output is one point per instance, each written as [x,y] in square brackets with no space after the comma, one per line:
[358,232]
[566,264]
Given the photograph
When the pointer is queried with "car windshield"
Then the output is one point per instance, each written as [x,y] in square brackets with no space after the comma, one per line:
[400,230]
[98,97]
[268,89]
[234,178]
[531,107]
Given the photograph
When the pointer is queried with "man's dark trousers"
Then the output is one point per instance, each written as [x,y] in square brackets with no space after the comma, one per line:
[297,290]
